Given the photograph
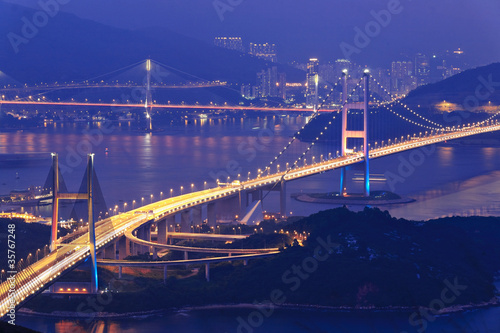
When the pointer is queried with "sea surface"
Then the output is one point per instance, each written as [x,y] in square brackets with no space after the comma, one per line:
[131,165]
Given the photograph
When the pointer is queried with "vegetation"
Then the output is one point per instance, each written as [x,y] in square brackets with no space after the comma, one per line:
[7,121]
[459,89]
[6,327]
[370,259]
[29,238]
[375,195]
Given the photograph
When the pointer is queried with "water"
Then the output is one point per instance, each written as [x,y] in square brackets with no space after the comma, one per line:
[132,165]
[447,180]
[290,321]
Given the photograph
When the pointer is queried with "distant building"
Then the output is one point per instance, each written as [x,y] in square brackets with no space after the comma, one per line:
[455,62]
[265,51]
[327,72]
[382,76]
[340,65]
[282,86]
[246,91]
[312,76]
[437,71]
[270,83]
[231,43]
[402,79]
[267,80]
[301,66]
[263,83]
[422,69]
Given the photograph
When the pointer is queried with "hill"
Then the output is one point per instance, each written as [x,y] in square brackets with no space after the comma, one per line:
[474,87]
[69,48]
[363,259]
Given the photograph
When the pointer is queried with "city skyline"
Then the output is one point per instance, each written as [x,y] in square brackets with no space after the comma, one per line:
[433,26]
[451,25]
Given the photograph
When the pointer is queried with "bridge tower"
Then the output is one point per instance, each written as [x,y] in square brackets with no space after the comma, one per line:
[88,196]
[346,133]
[148,105]
[316,97]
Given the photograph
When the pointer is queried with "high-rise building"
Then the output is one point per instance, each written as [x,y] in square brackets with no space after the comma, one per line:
[231,43]
[437,71]
[422,69]
[264,51]
[382,76]
[312,76]
[341,65]
[271,83]
[282,85]
[402,79]
[301,66]
[263,83]
[455,62]
[246,91]
[327,72]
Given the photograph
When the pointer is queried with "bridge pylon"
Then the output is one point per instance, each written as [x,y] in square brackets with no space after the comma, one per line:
[149,97]
[360,134]
[88,196]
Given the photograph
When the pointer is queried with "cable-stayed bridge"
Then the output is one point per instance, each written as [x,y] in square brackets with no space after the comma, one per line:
[359,139]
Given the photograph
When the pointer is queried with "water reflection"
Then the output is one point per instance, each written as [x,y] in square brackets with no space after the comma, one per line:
[454,180]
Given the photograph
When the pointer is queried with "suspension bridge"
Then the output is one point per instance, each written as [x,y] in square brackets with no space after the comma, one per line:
[360,138]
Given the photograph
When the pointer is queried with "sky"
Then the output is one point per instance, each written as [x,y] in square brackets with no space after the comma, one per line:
[320,28]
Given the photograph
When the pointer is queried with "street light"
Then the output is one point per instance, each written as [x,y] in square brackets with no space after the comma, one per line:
[171,192]
[182,187]
[151,198]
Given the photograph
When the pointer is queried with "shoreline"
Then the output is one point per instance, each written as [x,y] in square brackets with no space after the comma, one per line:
[306,197]
[495,302]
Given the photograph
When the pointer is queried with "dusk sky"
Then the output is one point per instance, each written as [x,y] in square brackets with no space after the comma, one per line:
[302,29]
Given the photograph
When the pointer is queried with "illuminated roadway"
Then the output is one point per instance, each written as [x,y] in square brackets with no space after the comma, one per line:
[161,106]
[37,276]
[93,86]
[126,263]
